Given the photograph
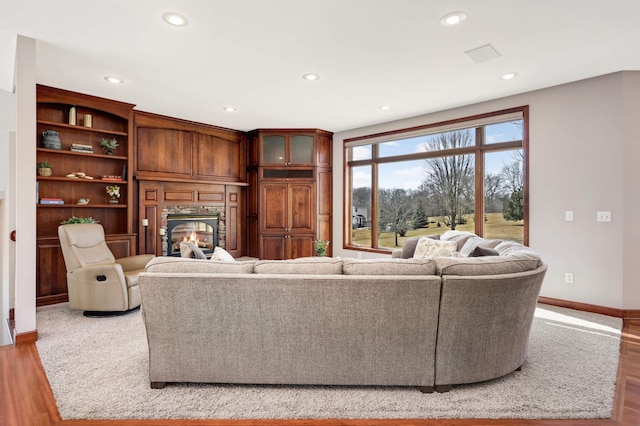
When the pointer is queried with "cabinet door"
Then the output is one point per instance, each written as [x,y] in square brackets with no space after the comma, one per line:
[301,150]
[274,208]
[302,212]
[273,247]
[273,149]
[299,246]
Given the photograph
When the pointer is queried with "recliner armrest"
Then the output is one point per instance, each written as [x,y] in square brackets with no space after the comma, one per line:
[133,263]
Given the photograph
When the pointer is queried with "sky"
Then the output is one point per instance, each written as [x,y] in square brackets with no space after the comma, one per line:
[409,174]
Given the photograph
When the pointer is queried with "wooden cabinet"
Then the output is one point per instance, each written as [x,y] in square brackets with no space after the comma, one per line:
[81,156]
[289,194]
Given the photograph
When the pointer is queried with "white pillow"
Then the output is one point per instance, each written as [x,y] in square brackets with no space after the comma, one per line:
[221,254]
[428,248]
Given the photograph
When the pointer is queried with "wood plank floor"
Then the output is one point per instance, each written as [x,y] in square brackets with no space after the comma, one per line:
[26,398]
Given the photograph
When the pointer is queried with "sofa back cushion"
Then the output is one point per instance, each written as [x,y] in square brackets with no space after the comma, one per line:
[388,267]
[302,265]
[185,265]
[488,265]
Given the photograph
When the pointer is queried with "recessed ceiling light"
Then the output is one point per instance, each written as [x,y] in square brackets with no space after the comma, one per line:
[175,19]
[453,18]
[114,80]
[385,107]
[229,108]
[310,77]
[509,76]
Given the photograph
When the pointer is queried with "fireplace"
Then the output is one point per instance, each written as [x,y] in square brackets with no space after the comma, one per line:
[201,229]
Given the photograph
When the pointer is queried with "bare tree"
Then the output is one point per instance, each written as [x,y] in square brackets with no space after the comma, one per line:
[450,180]
[396,210]
[493,192]
[513,173]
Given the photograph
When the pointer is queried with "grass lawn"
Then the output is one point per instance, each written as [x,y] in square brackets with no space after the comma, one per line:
[495,227]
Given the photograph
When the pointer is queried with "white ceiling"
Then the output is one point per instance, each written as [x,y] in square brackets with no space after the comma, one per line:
[251,54]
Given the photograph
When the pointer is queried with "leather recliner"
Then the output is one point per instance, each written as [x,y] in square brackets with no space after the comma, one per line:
[97,282]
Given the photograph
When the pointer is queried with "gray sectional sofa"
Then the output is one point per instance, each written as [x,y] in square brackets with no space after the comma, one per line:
[429,323]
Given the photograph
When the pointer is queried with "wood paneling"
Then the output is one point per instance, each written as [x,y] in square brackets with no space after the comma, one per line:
[219,158]
[164,151]
[169,149]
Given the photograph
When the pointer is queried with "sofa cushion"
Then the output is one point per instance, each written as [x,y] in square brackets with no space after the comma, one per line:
[182,265]
[460,237]
[482,251]
[494,265]
[221,254]
[474,241]
[302,265]
[428,248]
[388,267]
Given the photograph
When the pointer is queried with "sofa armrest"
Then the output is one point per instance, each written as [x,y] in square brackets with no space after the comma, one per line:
[134,263]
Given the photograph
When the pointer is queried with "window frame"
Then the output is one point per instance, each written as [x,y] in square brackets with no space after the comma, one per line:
[476,122]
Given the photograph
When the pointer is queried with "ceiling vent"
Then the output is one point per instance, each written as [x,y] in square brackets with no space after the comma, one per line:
[483,53]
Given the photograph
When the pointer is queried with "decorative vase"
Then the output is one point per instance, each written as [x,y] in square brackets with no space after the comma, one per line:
[109,152]
[113,200]
[44,171]
[51,140]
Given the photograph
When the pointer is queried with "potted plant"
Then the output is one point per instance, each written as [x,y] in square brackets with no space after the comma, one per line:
[320,247]
[75,219]
[44,168]
[114,193]
[109,145]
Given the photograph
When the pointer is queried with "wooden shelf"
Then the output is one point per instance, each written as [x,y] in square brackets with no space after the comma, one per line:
[94,180]
[81,154]
[111,120]
[83,206]
[75,127]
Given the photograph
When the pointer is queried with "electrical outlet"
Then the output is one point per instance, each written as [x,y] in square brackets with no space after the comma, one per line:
[604,216]
[568,277]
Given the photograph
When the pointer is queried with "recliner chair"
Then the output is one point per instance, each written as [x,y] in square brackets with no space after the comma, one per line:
[97,282]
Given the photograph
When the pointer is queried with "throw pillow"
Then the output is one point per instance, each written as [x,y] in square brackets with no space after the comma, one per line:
[409,246]
[482,251]
[221,254]
[428,248]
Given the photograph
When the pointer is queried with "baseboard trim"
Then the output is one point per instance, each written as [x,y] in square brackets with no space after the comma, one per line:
[26,338]
[596,309]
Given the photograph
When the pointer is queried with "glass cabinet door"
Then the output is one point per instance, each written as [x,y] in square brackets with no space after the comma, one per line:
[273,149]
[301,149]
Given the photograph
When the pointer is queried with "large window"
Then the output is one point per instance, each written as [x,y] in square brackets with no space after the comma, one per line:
[467,174]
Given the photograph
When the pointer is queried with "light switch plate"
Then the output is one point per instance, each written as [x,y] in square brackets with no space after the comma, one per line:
[568,215]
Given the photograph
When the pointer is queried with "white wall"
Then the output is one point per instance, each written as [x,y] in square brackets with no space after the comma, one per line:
[7,136]
[583,157]
[24,207]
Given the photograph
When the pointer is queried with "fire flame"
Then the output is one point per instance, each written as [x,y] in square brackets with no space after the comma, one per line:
[193,238]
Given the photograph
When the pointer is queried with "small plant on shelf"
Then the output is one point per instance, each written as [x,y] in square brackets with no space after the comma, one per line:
[44,168]
[114,193]
[75,219]
[109,145]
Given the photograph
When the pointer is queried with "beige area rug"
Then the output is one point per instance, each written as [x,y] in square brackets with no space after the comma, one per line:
[98,369]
